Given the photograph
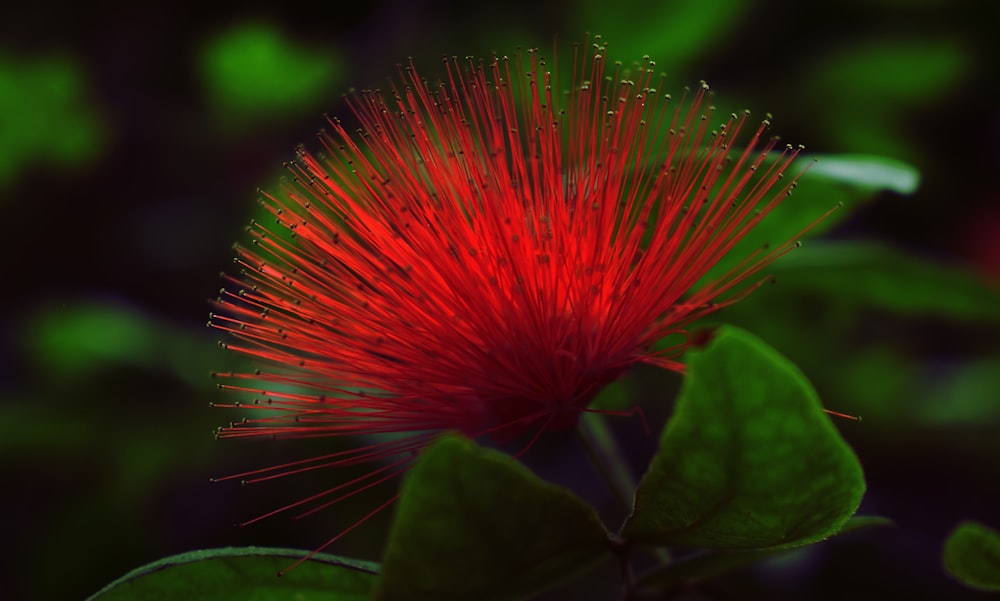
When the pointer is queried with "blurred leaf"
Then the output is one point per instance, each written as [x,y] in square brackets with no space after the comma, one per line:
[836,190]
[253,70]
[614,397]
[73,340]
[476,524]
[864,522]
[876,276]
[864,171]
[966,394]
[877,380]
[712,563]
[866,89]
[972,554]
[748,459]
[671,33]
[248,573]
[30,428]
[889,72]
[45,115]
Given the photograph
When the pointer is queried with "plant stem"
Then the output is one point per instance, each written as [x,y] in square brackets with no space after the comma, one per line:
[605,455]
[603,451]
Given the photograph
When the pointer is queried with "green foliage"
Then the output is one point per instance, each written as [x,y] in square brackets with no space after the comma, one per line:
[708,565]
[253,70]
[748,460]
[73,340]
[476,524]
[874,173]
[872,275]
[867,89]
[829,289]
[965,394]
[244,574]
[613,397]
[671,33]
[76,339]
[972,554]
[893,71]
[843,182]
[45,115]
[837,183]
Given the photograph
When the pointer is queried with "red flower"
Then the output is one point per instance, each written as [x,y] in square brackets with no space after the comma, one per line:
[487,253]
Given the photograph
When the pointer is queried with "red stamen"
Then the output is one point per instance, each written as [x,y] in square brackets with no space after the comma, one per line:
[854,418]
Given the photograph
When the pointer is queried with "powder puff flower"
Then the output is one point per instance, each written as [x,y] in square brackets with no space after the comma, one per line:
[486,253]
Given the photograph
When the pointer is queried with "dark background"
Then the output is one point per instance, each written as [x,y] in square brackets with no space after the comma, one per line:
[132,142]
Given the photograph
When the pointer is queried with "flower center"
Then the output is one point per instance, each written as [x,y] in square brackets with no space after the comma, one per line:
[552,408]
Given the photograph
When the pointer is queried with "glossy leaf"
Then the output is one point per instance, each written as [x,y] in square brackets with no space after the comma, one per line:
[828,180]
[476,524]
[877,276]
[241,574]
[972,554]
[748,459]
[866,171]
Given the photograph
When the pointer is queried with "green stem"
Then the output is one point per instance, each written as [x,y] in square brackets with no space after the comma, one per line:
[606,456]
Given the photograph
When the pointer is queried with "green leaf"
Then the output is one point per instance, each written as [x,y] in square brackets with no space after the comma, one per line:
[864,522]
[616,396]
[878,276]
[245,574]
[962,393]
[74,340]
[748,460]
[476,524]
[865,172]
[708,565]
[830,185]
[255,70]
[871,90]
[888,72]
[47,115]
[672,33]
[79,338]
[828,181]
[972,555]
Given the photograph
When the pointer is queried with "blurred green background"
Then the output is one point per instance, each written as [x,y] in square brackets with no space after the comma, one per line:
[131,145]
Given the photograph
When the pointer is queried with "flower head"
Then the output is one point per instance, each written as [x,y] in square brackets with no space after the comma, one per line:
[490,250]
